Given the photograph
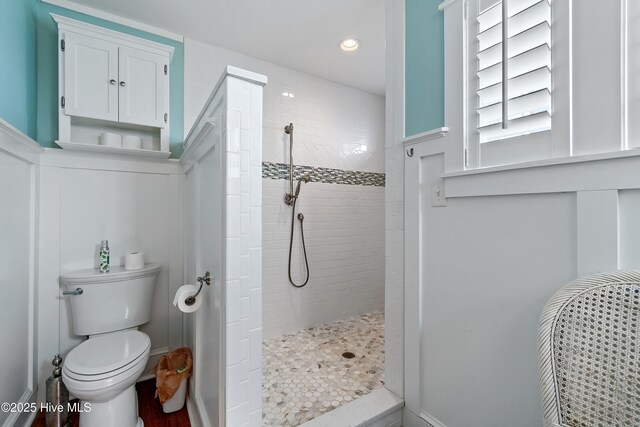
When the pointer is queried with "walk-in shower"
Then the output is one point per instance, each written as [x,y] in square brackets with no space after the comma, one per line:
[323,307]
[290,199]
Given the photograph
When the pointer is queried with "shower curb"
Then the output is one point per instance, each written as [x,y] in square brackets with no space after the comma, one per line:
[367,410]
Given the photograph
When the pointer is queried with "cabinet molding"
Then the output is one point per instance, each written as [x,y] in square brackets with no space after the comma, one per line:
[122,39]
[100,14]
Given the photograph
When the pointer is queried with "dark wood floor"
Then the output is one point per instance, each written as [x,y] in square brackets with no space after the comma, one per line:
[149,409]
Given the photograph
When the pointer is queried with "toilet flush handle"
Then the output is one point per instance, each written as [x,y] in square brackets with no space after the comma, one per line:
[76,291]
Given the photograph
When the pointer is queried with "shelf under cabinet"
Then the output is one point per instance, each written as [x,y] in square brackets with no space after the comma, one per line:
[93,148]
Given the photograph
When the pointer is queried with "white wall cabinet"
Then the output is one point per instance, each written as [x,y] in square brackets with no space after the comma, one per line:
[90,78]
[143,87]
[111,82]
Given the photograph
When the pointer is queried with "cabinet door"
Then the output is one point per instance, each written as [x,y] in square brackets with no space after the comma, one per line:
[144,87]
[90,77]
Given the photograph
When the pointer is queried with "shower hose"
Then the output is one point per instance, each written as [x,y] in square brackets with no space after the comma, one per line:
[304,247]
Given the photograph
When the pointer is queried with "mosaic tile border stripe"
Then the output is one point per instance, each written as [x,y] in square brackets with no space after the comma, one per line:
[325,175]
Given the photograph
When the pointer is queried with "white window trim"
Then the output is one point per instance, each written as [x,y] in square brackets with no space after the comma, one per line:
[600,140]
[517,149]
[462,155]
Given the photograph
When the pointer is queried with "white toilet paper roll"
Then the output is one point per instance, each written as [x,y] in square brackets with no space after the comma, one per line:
[109,139]
[134,261]
[182,294]
[132,141]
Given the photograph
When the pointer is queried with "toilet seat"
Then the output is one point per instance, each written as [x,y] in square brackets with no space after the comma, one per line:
[107,356]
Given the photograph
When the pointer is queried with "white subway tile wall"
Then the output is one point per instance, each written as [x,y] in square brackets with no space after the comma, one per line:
[344,232]
[394,270]
[337,127]
[244,258]
[394,200]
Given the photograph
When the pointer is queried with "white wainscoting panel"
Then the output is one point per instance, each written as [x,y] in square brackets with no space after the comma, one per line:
[597,231]
[629,229]
[485,265]
[18,195]
[135,205]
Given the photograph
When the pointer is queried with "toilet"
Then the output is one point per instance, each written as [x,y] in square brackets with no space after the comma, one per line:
[102,371]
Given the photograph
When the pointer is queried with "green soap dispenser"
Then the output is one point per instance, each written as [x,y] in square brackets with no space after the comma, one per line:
[104,256]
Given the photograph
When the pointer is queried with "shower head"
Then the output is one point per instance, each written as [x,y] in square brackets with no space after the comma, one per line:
[304,178]
[288,129]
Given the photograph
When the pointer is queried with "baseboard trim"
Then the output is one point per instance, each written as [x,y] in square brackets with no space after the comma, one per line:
[193,409]
[154,356]
[424,420]
[432,421]
[24,418]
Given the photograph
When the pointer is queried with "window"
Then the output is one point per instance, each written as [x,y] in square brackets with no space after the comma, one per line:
[571,74]
[509,100]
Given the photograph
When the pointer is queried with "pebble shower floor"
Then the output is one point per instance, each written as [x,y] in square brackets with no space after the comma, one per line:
[305,374]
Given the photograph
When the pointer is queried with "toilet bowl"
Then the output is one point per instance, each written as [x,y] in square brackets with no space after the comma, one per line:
[102,371]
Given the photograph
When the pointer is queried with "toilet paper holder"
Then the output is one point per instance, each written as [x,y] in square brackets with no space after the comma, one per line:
[201,280]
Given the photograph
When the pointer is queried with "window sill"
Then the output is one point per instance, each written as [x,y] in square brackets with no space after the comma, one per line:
[595,172]
[425,136]
[545,163]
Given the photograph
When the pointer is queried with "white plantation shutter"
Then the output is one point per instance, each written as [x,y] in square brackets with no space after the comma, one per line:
[526,41]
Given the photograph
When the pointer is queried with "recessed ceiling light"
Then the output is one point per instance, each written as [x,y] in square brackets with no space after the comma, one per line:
[288,95]
[349,44]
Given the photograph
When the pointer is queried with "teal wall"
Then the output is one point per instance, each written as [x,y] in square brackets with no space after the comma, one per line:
[18,88]
[424,66]
[40,47]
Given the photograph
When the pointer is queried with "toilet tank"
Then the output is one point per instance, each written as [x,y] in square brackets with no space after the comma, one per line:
[119,299]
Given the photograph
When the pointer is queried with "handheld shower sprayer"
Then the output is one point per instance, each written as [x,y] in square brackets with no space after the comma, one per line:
[306,180]
[290,200]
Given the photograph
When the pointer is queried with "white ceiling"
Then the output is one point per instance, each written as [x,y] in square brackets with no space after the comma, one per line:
[299,34]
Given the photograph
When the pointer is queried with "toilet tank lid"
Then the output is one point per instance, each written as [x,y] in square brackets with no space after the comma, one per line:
[116,274]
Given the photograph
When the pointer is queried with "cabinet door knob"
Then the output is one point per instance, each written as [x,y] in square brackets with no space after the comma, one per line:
[123,84]
[112,81]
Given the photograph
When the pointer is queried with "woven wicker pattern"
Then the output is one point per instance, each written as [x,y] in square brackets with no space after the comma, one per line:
[590,353]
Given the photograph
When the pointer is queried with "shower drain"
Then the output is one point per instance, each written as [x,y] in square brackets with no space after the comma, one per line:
[348,355]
